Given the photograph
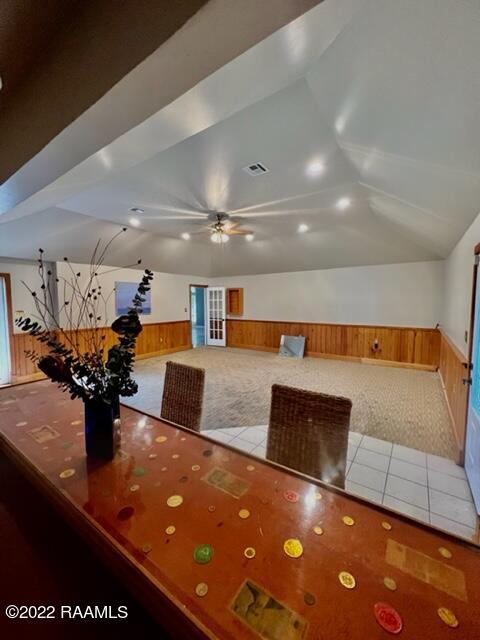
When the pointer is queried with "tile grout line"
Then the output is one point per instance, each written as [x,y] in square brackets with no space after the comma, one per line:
[426,467]
[399,459]
[461,524]
[428,493]
[394,475]
[386,478]
[428,485]
[363,465]
[419,484]
[415,506]
[452,495]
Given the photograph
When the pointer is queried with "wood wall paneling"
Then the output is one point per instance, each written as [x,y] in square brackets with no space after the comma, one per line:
[156,339]
[453,369]
[400,345]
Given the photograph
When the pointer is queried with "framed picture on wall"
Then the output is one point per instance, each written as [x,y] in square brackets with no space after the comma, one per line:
[124,294]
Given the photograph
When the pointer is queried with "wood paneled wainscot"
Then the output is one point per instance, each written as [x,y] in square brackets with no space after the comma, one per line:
[453,370]
[156,339]
[400,346]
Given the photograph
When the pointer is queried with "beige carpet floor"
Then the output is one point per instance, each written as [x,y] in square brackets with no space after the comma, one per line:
[403,406]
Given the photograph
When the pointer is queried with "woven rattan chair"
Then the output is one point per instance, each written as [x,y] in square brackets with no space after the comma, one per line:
[308,431]
[182,399]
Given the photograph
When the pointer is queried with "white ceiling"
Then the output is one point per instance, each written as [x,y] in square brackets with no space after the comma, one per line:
[385,94]
[204,173]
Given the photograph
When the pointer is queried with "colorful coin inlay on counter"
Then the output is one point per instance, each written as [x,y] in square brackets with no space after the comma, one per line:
[248,550]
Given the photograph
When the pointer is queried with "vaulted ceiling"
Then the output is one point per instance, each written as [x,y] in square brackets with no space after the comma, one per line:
[374,101]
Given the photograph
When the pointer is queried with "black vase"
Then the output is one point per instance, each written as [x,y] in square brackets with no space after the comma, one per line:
[102,428]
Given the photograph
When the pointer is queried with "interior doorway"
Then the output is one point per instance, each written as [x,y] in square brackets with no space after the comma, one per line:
[197,314]
[5,365]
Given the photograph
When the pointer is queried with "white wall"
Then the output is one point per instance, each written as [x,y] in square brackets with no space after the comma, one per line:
[407,295]
[396,295]
[458,287]
[170,292]
[22,301]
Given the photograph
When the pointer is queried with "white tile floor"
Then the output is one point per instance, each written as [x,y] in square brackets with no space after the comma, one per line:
[421,485]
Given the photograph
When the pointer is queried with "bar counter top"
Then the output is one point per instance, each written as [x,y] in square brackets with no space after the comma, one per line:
[219,544]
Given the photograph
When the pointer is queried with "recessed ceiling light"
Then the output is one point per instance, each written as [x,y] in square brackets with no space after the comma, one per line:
[302,228]
[135,222]
[249,237]
[186,236]
[137,210]
[315,168]
[343,203]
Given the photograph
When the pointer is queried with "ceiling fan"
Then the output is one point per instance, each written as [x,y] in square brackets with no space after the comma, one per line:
[222,226]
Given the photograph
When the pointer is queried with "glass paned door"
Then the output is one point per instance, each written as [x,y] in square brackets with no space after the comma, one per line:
[216,325]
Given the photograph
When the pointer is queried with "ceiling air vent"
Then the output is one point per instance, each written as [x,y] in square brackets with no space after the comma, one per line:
[257,169]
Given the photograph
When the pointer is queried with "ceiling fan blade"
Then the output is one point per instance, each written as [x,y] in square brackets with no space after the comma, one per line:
[238,232]
[230,224]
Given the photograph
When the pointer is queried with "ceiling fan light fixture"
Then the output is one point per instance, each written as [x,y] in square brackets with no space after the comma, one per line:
[219,237]
[249,237]
[302,228]
[186,236]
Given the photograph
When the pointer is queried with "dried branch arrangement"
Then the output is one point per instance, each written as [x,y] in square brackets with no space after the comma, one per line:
[78,360]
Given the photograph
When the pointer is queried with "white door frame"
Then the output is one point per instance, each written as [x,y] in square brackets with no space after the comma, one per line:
[216,335]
